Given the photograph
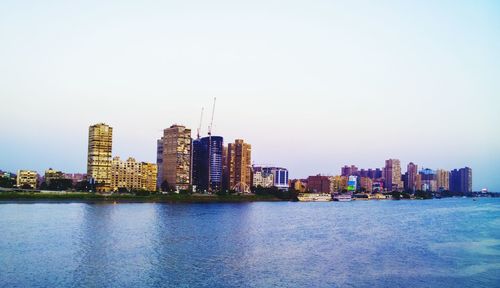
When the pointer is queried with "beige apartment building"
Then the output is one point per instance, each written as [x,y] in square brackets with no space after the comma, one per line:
[418,182]
[27,178]
[149,173]
[99,156]
[366,183]
[238,165]
[176,157]
[132,175]
[443,179]
[392,175]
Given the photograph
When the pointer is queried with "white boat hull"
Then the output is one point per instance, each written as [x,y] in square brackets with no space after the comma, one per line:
[314,197]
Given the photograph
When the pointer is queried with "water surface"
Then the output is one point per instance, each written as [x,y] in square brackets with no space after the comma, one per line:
[433,243]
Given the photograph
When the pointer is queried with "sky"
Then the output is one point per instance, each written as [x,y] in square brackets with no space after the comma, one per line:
[312,85]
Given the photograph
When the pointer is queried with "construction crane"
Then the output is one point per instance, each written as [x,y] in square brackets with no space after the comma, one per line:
[212,121]
[199,126]
[210,148]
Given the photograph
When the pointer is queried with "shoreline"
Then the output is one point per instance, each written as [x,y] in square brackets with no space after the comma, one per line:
[91,198]
[76,197]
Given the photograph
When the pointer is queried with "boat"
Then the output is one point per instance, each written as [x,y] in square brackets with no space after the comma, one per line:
[342,197]
[314,197]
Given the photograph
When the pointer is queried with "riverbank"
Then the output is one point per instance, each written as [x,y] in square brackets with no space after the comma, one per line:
[154,198]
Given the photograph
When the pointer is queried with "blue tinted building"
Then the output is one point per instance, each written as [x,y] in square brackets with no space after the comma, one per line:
[207,163]
[280,176]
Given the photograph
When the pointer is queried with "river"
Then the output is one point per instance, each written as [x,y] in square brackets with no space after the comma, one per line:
[429,243]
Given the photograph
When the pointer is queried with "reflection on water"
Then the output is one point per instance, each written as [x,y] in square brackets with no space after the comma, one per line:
[448,242]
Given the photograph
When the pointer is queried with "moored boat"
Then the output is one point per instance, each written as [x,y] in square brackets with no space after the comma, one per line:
[342,197]
[314,197]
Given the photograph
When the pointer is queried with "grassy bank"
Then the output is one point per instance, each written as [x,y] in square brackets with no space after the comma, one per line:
[91,197]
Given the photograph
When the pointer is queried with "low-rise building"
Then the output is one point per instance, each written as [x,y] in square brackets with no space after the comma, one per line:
[270,177]
[319,184]
[133,175]
[52,174]
[366,184]
[262,179]
[75,177]
[27,178]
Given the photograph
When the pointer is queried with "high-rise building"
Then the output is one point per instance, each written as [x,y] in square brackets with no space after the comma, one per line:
[466,179]
[238,163]
[454,180]
[443,180]
[461,180]
[207,163]
[99,156]
[159,162]
[392,175]
[198,165]
[418,182]
[149,172]
[412,171]
[27,178]
[349,170]
[176,158]
[428,180]
[225,168]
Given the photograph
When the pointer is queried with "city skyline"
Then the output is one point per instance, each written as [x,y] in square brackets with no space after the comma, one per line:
[310,87]
[183,163]
[329,173]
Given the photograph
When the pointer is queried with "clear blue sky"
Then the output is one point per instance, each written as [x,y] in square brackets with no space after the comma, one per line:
[312,85]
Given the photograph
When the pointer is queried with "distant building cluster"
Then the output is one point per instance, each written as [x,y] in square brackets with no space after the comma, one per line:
[387,179]
[207,164]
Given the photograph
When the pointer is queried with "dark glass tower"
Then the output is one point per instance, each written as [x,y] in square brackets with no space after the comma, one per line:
[207,163]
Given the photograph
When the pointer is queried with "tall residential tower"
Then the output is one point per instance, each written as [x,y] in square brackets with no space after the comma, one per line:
[238,163]
[176,158]
[392,175]
[99,156]
[412,172]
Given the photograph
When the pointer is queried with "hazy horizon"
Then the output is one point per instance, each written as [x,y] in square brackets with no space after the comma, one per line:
[311,85]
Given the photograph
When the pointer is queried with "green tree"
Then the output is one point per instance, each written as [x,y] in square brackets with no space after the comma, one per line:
[82,186]
[7,182]
[423,195]
[60,184]
[396,195]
